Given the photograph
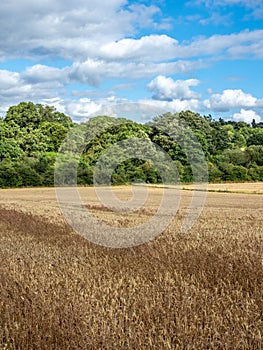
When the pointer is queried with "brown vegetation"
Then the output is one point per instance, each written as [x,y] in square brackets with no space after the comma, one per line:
[202,290]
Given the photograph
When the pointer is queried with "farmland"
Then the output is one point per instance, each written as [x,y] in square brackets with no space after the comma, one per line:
[201,290]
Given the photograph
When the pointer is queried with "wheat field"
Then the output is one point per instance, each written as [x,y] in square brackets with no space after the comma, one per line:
[201,290]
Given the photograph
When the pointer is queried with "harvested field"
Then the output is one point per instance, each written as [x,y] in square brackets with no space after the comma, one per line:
[246,187]
[201,290]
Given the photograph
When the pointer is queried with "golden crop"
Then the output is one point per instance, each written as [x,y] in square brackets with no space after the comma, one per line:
[202,290]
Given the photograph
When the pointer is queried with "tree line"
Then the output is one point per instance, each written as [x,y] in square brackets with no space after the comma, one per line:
[33,139]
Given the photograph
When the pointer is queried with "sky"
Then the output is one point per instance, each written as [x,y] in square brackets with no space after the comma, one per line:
[86,57]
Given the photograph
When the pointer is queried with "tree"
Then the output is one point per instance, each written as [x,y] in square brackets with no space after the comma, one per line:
[9,176]
[255,154]
[30,115]
[34,138]
[54,133]
[29,176]
[44,166]
[10,149]
[254,124]
[256,138]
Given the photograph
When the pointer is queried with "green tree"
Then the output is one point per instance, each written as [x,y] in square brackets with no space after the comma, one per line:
[27,173]
[44,166]
[10,149]
[28,114]
[54,133]
[9,176]
[256,138]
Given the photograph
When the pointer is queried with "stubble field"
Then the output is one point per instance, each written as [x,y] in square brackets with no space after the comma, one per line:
[201,290]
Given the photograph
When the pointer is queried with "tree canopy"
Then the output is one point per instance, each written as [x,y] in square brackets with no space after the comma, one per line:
[31,136]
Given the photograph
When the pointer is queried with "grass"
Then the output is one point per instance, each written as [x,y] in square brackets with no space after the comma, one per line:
[202,290]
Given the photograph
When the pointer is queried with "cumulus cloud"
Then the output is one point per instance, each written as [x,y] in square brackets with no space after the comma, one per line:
[94,72]
[151,47]
[145,15]
[16,87]
[163,47]
[72,29]
[246,116]
[82,108]
[144,109]
[91,72]
[226,46]
[167,89]
[102,40]
[173,106]
[231,99]
[48,27]
[41,73]
[8,79]
[80,29]
[40,82]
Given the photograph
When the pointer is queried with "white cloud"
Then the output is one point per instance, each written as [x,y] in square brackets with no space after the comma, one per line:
[231,99]
[16,87]
[45,84]
[226,46]
[155,48]
[41,73]
[94,71]
[151,47]
[167,89]
[141,110]
[71,29]
[247,116]
[57,102]
[81,29]
[82,108]
[53,26]
[104,41]
[8,79]
[40,82]
[145,15]
[144,109]
[173,106]
[241,51]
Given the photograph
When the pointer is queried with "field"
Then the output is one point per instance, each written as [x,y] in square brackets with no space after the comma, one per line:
[201,290]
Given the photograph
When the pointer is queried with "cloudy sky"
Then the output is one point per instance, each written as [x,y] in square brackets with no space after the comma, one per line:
[84,56]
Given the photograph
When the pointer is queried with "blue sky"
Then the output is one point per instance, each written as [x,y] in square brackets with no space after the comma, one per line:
[86,57]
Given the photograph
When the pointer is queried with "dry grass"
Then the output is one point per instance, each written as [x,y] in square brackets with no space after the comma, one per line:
[198,291]
[246,187]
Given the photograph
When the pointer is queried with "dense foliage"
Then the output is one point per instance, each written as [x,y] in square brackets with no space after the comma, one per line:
[31,136]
